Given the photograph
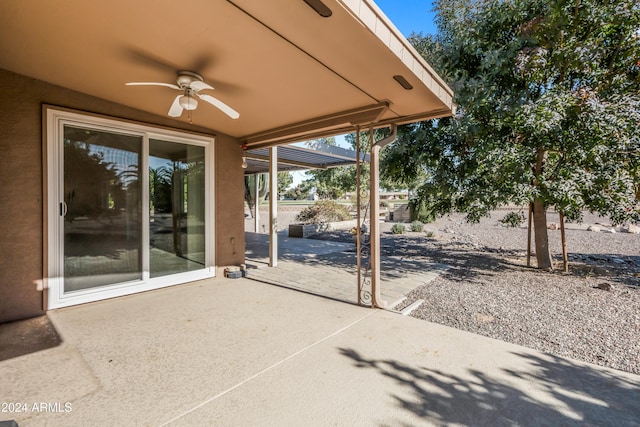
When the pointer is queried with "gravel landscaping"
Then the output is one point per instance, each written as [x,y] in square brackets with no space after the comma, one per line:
[489,290]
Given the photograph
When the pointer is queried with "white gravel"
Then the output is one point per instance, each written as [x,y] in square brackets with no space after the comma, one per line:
[488,289]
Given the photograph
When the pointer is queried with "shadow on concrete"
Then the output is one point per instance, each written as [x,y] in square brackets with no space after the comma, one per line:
[399,254]
[257,247]
[329,267]
[27,336]
[561,393]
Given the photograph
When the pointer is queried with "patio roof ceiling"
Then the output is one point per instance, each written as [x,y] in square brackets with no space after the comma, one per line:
[292,158]
[291,73]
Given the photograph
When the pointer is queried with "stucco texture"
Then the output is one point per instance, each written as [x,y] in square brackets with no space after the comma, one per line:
[22,225]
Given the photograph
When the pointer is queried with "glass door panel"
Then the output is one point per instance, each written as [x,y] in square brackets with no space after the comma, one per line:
[176,207]
[102,200]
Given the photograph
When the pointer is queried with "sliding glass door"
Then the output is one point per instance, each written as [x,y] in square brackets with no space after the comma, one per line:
[176,207]
[101,208]
[129,208]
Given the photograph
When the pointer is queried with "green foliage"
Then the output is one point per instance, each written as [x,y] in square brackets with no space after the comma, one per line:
[397,229]
[548,109]
[419,210]
[323,211]
[299,192]
[332,183]
[93,186]
[417,226]
[160,185]
[429,234]
[318,144]
[513,219]
[549,105]
[284,181]
[250,190]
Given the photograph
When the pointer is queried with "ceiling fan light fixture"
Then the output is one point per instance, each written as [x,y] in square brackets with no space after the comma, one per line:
[190,84]
[188,102]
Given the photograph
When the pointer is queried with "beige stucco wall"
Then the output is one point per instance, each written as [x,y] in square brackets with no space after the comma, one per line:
[21,186]
[229,178]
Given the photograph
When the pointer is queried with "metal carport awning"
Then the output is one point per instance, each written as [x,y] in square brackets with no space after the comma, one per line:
[287,158]
[295,158]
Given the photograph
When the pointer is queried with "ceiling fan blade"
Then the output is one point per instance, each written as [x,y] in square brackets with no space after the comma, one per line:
[221,105]
[198,85]
[176,109]
[172,86]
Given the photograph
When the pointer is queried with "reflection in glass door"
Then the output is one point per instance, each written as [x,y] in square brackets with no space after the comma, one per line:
[128,208]
[101,209]
[176,207]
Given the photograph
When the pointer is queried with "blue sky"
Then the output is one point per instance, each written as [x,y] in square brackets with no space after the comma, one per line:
[410,15]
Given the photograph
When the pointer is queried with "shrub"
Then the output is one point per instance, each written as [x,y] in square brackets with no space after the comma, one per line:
[397,229]
[417,226]
[419,211]
[513,219]
[430,233]
[323,211]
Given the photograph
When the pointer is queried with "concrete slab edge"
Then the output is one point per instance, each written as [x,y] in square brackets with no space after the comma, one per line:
[408,309]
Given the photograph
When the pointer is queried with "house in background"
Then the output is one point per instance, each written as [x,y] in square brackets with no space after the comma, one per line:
[105,193]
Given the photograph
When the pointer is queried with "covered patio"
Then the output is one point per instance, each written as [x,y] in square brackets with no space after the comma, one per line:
[243,353]
[329,269]
[271,73]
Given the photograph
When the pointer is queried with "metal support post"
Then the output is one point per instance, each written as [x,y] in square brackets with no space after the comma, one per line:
[273,207]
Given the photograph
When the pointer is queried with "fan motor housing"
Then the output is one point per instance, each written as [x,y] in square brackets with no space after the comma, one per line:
[185,78]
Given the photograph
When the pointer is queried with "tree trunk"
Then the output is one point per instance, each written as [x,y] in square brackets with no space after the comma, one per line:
[543,254]
[529,234]
[565,256]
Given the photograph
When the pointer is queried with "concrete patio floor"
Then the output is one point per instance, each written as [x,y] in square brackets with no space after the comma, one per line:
[241,353]
[328,268]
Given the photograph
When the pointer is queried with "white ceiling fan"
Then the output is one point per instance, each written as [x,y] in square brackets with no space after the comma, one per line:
[190,84]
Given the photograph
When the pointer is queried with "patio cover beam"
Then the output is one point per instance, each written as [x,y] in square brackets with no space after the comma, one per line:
[305,130]
[285,162]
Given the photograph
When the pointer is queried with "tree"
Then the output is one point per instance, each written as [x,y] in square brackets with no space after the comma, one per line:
[317,144]
[284,181]
[250,197]
[330,183]
[160,182]
[299,192]
[548,111]
[334,183]
[94,187]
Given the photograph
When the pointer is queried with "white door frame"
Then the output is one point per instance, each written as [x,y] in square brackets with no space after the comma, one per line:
[55,121]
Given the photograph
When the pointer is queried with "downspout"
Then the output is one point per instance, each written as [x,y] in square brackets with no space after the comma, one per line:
[374,198]
[388,139]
